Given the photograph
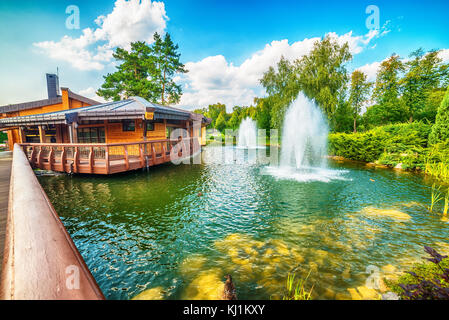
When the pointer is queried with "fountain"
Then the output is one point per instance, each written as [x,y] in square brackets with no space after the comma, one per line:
[247,137]
[304,135]
[304,144]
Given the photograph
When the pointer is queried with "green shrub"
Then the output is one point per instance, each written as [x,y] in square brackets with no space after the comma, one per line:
[440,130]
[396,143]
[3,136]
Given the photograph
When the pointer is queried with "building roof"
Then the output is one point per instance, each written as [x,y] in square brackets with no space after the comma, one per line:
[133,108]
[45,102]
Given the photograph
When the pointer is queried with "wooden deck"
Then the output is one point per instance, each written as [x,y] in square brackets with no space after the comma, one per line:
[5,175]
[107,158]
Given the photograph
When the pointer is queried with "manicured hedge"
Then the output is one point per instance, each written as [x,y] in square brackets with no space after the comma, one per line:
[397,143]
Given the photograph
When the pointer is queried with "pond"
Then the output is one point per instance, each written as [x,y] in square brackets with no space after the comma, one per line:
[175,231]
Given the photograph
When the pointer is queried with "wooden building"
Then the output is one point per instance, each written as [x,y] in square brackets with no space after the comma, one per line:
[73,126]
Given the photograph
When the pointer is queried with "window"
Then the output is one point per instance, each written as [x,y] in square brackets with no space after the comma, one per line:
[91,135]
[91,122]
[31,134]
[150,126]
[128,125]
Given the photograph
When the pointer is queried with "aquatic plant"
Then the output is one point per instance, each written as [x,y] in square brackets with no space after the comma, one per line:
[426,281]
[298,291]
[435,197]
[437,161]
[446,203]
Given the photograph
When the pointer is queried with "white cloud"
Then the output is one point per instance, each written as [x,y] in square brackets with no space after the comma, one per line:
[370,70]
[214,79]
[444,54]
[129,21]
[91,93]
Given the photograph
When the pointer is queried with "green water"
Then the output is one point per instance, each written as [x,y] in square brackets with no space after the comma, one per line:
[181,228]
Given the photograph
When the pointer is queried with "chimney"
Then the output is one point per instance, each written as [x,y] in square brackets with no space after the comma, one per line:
[52,86]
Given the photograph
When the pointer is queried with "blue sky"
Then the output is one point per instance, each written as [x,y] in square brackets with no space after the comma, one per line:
[225,44]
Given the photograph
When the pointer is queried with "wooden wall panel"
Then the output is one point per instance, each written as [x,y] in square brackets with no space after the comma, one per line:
[158,132]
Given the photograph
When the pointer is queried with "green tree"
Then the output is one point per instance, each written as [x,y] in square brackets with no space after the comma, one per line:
[167,65]
[214,110]
[343,115]
[440,130]
[322,74]
[235,119]
[387,86]
[131,77]
[282,87]
[263,113]
[431,105]
[386,113]
[145,71]
[424,73]
[359,91]
[220,123]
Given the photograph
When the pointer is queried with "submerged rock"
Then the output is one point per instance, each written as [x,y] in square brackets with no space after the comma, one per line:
[363,293]
[390,296]
[151,294]
[388,213]
[206,286]
[398,166]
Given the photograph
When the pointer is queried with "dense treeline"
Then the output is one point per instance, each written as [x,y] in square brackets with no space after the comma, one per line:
[405,90]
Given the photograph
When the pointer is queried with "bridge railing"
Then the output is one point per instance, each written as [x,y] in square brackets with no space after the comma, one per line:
[107,158]
[41,262]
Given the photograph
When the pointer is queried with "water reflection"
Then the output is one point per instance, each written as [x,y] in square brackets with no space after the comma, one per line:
[175,231]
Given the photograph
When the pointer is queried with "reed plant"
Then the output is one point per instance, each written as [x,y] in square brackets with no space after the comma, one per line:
[435,197]
[439,170]
[446,203]
[297,290]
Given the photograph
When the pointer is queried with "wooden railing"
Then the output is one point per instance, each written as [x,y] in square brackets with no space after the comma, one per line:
[107,158]
[41,261]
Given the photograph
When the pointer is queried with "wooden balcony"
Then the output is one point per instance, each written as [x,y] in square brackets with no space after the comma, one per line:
[107,158]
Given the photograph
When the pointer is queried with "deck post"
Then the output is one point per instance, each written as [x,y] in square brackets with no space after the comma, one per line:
[39,158]
[153,154]
[21,135]
[91,160]
[51,159]
[126,157]
[33,156]
[75,160]
[141,157]
[41,134]
[70,133]
[164,151]
[75,132]
[106,159]
[63,158]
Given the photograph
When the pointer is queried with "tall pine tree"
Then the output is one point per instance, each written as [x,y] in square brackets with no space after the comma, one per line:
[147,71]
